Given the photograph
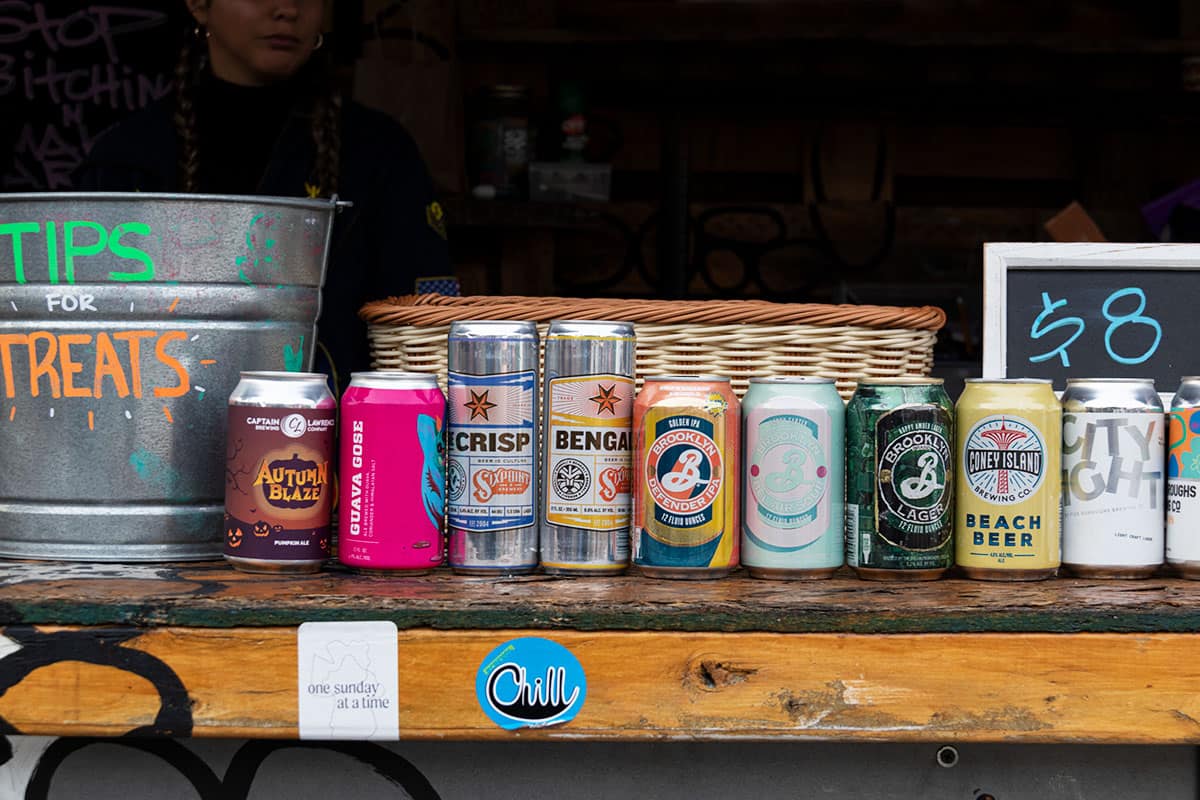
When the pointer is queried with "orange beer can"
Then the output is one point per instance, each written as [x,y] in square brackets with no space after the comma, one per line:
[686,461]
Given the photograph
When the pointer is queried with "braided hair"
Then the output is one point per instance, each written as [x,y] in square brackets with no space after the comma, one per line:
[325,110]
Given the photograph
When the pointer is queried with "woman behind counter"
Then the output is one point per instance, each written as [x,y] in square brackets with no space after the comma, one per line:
[254,112]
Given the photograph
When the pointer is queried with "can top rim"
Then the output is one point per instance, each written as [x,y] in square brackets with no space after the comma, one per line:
[275,375]
[902,380]
[1189,378]
[686,378]
[492,322]
[622,323]
[1149,381]
[1009,380]
[809,379]
[394,375]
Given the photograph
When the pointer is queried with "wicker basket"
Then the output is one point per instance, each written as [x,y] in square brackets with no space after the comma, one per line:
[738,338]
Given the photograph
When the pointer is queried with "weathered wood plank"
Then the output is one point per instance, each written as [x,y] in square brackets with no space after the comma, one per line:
[213,595]
[963,687]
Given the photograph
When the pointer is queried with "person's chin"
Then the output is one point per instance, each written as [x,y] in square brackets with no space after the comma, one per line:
[280,65]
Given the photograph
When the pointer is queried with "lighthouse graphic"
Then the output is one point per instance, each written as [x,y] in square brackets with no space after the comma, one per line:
[1005,438]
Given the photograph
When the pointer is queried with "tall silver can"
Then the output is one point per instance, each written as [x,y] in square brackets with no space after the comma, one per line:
[1183,480]
[492,430]
[1113,480]
[126,320]
[587,467]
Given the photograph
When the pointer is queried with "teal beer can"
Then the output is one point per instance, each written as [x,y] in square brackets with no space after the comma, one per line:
[793,429]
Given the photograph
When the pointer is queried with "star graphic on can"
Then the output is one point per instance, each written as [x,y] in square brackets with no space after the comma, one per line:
[606,400]
[479,405]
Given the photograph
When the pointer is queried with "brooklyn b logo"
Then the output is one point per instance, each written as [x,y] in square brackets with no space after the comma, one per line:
[684,476]
[1004,459]
[914,486]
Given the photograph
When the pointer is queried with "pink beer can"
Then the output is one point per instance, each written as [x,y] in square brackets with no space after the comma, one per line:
[392,474]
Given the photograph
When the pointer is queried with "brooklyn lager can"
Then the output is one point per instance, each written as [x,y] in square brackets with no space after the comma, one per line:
[793,430]
[492,436]
[1113,446]
[1183,480]
[685,507]
[1009,475]
[900,484]
[588,401]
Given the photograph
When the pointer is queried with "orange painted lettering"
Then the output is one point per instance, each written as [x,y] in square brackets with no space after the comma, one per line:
[160,350]
[135,356]
[70,368]
[7,340]
[43,365]
[108,364]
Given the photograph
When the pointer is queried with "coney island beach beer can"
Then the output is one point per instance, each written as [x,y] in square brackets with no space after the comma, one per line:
[1183,480]
[793,433]
[1113,446]
[588,409]
[279,482]
[492,447]
[900,479]
[1009,505]
[686,475]
[392,477]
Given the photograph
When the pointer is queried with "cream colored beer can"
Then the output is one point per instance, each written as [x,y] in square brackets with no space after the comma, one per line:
[1008,517]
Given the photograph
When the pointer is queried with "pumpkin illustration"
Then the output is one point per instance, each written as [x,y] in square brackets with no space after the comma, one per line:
[277,529]
[324,545]
[233,537]
[293,466]
[262,529]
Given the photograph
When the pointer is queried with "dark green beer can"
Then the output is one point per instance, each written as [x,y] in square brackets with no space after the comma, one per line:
[900,479]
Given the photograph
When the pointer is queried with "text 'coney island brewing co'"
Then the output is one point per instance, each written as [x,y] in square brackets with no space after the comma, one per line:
[492,475]
[586,476]
[1183,480]
[392,477]
[793,431]
[686,461]
[900,479]
[279,472]
[1009,477]
[1113,447]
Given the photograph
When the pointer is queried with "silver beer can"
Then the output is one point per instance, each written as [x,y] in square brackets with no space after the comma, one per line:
[492,446]
[1183,480]
[587,469]
[1113,480]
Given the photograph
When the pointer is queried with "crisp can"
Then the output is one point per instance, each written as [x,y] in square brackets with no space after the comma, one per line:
[588,410]
[1113,446]
[1183,480]
[1008,517]
[793,432]
[686,473]
[393,481]
[492,447]
[279,481]
[900,479]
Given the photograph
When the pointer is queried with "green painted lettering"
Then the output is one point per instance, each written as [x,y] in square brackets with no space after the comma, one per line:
[72,249]
[16,230]
[52,250]
[125,251]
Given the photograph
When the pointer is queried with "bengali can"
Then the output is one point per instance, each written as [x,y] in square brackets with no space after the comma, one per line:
[900,479]
[587,412]
[492,447]
[686,474]
[793,434]
[1113,446]
[392,476]
[279,482]
[1009,506]
[1183,480]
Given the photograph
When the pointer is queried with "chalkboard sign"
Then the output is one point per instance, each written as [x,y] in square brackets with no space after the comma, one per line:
[68,70]
[1089,310]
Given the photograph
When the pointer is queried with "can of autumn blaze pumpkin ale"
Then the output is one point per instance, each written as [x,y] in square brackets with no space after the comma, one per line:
[279,480]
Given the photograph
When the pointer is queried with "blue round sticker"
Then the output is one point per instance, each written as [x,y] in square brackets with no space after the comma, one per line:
[530,683]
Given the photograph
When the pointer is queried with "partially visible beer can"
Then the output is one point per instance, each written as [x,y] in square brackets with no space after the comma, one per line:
[588,408]
[279,472]
[793,430]
[492,433]
[1112,472]
[392,478]
[900,479]
[1009,505]
[1183,480]
[686,474]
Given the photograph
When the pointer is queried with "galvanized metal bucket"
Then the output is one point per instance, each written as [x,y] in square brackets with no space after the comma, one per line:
[124,322]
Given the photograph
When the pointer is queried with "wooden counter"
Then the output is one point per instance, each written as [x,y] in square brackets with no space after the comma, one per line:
[203,650]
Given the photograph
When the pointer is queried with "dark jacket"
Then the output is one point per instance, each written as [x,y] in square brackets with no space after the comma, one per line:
[393,234]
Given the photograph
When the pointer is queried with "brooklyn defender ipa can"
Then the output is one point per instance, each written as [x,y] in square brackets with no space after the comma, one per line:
[1007,524]
[588,409]
[492,474]
[900,479]
[1183,480]
[279,472]
[686,456]
[1113,446]
[793,432]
